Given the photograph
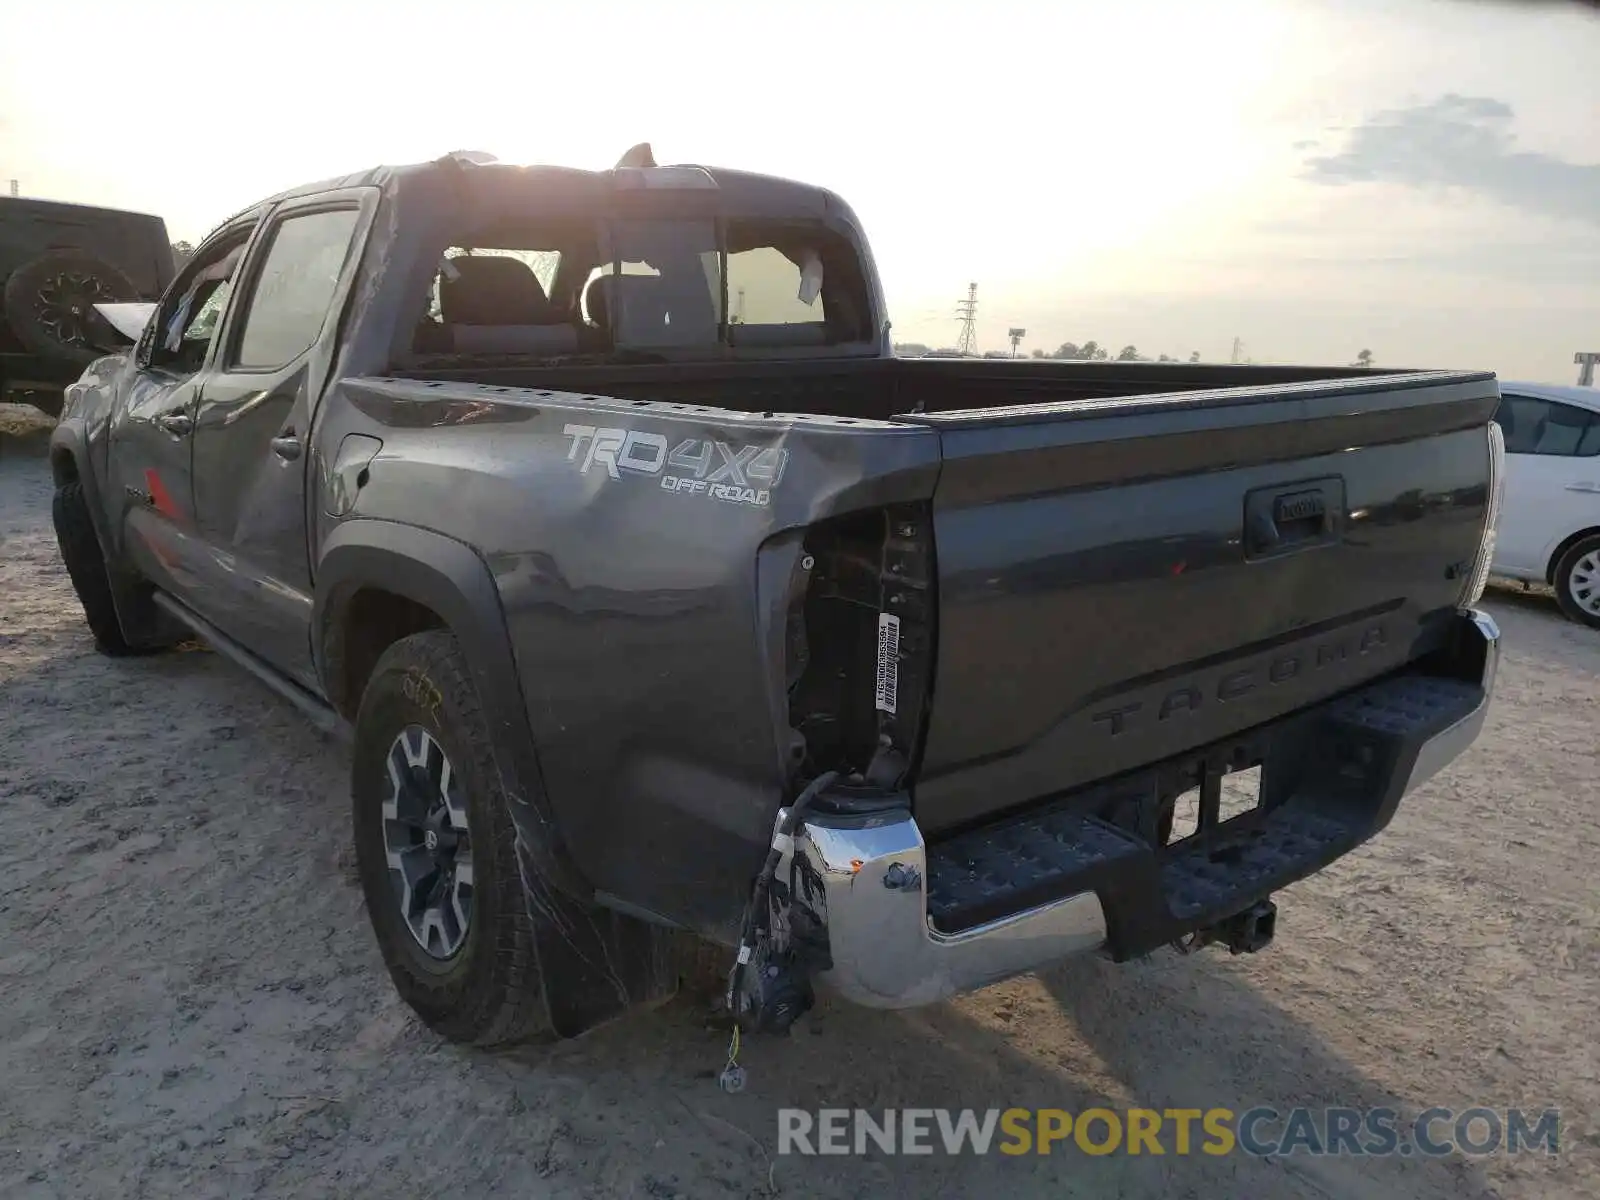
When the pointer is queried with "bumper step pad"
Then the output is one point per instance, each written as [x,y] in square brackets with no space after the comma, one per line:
[1343,786]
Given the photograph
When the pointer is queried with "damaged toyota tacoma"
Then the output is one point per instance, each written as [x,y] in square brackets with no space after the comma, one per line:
[665,607]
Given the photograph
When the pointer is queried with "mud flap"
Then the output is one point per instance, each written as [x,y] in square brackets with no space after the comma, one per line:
[594,964]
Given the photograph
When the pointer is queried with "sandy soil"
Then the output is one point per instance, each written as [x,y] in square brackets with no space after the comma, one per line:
[191,1003]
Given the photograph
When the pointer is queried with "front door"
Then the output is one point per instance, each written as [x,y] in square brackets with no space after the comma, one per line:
[150,481]
[253,426]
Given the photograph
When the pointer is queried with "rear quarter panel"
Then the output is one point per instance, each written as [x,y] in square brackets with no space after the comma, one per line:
[649,657]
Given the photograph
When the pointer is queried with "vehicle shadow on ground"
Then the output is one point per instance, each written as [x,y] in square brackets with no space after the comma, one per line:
[634,1108]
[1166,1033]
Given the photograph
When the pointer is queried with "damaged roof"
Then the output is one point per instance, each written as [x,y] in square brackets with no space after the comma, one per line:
[743,191]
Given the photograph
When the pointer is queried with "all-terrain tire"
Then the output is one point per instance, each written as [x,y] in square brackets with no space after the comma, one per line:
[86,567]
[49,304]
[1577,580]
[489,991]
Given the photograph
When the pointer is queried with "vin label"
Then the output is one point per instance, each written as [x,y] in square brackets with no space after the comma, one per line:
[888,688]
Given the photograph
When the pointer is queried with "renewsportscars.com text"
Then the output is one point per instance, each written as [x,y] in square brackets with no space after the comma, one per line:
[1260,1131]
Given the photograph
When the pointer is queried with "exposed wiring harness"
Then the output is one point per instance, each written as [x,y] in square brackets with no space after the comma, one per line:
[758,914]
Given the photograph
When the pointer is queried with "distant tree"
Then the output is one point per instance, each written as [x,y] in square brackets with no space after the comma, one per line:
[182,252]
[1194,356]
[1066,350]
[1166,358]
[1129,354]
[1040,354]
[1092,351]
[1364,359]
[910,349]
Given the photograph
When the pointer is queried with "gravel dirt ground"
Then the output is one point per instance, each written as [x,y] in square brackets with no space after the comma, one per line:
[191,1002]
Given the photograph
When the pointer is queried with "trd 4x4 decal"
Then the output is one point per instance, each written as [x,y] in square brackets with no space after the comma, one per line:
[733,474]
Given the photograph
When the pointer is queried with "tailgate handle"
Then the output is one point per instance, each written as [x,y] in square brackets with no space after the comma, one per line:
[1282,519]
[1301,515]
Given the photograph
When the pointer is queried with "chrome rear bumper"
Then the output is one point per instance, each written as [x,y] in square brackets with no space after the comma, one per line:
[874,871]
[885,952]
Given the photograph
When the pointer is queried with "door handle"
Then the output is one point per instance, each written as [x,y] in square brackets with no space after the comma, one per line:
[286,446]
[178,424]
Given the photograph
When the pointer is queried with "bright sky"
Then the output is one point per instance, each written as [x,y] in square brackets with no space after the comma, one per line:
[1417,177]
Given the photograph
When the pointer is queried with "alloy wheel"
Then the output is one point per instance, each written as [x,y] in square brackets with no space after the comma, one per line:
[428,844]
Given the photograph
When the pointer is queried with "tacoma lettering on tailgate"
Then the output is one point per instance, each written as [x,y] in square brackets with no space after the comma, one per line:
[1281,668]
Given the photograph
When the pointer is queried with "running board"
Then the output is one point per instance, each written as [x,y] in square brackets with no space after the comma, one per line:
[317,711]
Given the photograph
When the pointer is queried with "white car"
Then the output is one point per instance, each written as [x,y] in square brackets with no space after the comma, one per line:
[1549,527]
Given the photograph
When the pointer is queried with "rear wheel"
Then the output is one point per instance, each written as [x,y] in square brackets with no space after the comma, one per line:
[436,850]
[1577,580]
[86,567]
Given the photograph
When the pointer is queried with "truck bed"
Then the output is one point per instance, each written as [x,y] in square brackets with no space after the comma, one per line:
[1132,561]
[880,389]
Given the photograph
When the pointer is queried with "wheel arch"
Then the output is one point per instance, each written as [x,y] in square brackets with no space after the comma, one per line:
[70,463]
[407,579]
[1566,543]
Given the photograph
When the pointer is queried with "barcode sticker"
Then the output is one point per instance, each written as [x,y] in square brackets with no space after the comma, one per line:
[888,689]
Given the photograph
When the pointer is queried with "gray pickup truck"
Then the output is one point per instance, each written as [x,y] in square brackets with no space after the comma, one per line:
[662,604]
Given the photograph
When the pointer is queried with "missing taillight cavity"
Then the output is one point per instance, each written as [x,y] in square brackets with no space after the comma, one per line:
[860,643]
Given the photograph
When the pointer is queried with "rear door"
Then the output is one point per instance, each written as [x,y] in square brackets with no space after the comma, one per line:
[1124,582]
[254,418]
[1552,480]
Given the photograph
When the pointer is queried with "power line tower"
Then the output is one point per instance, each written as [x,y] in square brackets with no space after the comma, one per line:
[1238,349]
[967,311]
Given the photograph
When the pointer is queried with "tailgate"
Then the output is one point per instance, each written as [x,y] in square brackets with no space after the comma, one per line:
[1121,581]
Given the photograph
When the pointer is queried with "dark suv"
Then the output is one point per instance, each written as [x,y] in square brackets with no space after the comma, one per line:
[56,262]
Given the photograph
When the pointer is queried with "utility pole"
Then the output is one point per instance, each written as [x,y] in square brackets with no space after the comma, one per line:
[16,187]
[1238,347]
[1585,360]
[738,309]
[967,312]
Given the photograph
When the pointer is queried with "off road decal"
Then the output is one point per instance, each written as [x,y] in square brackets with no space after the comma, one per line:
[722,471]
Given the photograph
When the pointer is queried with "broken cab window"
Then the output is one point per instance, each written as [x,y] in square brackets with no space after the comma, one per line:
[668,293]
[188,322]
[502,295]
[768,288]
[793,285]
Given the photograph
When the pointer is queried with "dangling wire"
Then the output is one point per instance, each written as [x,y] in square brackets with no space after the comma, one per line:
[756,918]
[732,1077]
